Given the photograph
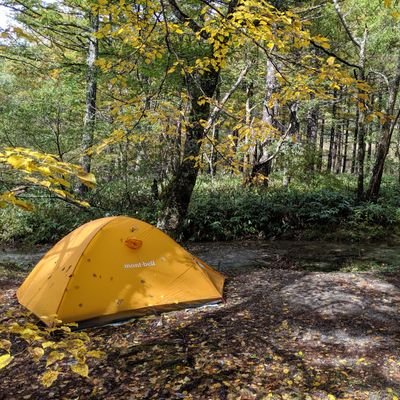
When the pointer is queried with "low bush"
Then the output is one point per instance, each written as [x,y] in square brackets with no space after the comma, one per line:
[222,210]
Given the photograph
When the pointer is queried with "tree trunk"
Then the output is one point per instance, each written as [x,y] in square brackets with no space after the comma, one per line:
[355,141]
[331,149]
[312,131]
[369,144]
[361,121]
[177,194]
[294,128]
[248,158]
[213,158]
[91,95]
[361,155]
[339,139]
[332,144]
[345,146]
[384,142]
[321,145]
[262,162]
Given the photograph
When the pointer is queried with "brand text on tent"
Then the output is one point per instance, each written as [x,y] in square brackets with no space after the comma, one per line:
[142,264]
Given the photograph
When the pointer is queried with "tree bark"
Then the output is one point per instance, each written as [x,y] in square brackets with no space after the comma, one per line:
[311,139]
[248,158]
[332,154]
[321,146]
[262,161]
[361,121]
[339,160]
[176,196]
[293,130]
[345,146]
[213,157]
[91,97]
[355,141]
[385,140]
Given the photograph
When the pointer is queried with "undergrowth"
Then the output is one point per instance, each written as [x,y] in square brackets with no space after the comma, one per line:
[322,207]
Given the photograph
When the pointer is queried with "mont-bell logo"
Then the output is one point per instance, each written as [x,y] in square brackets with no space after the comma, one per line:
[141,264]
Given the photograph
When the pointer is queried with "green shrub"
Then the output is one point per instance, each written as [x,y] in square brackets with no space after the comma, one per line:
[222,209]
[46,224]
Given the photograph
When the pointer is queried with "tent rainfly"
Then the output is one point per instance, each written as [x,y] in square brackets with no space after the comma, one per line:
[115,268]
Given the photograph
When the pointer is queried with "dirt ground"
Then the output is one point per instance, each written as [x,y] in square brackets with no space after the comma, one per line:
[283,333]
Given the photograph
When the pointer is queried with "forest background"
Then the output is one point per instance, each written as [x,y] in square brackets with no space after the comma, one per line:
[216,120]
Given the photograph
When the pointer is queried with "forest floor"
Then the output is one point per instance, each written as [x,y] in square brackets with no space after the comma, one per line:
[285,332]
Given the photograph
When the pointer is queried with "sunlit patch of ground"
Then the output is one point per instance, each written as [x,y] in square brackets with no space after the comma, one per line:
[282,334]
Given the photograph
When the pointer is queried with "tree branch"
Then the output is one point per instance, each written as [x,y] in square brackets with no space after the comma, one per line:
[218,108]
[344,23]
[281,142]
[330,53]
[184,18]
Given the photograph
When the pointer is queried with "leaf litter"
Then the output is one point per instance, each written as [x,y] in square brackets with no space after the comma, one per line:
[282,334]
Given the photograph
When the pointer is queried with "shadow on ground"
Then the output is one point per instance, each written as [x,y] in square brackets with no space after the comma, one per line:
[282,333]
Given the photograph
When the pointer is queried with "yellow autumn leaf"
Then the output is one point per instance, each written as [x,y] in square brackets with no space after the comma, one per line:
[76,343]
[171,70]
[387,3]
[48,378]
[82,203]
[81,369]
[330,60]
[29,334]
[5,359]
[61,193]
[53,357]
[16,161]
[37,353]
[331,397]
[5,344]
[95,354]
[395,15]
[88,180]
[9,198]
[62,181]
[45,345]
[23,204]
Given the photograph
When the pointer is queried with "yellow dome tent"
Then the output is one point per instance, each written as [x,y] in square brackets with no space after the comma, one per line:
[115,268]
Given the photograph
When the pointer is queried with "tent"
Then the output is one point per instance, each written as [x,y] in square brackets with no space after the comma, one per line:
[115,268]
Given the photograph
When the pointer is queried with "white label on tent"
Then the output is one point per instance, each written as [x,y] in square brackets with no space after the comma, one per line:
[142,264]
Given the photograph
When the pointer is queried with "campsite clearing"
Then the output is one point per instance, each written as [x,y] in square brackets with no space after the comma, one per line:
[283,333]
